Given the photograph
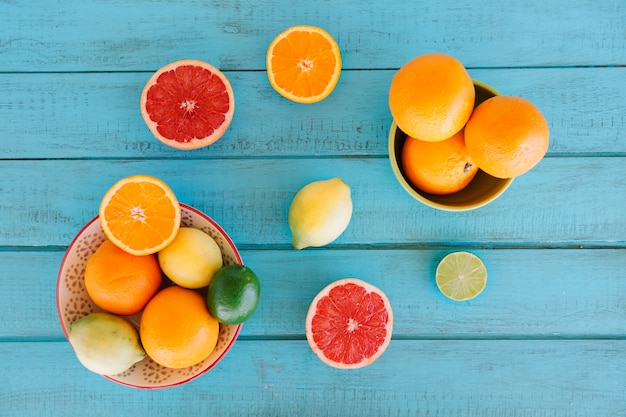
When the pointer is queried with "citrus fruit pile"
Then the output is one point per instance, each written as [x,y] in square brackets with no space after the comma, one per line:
[172,275]
[432,100]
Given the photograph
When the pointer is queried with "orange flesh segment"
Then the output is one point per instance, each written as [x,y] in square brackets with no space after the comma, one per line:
[303,63]
[140,216]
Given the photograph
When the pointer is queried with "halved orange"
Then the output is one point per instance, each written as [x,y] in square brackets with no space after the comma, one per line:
[140,214]
[303,64]
[188,104]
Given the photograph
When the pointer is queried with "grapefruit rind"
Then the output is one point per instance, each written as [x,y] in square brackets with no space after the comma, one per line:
[313,311]
[196,142]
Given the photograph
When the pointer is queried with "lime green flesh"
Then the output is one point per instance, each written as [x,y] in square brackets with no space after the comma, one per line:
[461,276]
[233,294]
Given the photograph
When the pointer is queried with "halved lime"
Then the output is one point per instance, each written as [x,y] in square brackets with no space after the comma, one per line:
[461,276]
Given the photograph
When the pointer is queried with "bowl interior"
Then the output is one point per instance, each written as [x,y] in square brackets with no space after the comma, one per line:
[73,302]
[483,189]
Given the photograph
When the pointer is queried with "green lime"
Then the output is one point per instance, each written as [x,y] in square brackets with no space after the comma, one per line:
[461,276]
[233,294]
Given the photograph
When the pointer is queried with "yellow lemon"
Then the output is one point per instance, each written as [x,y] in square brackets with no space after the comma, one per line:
[320,212]
[105,343]
[192,259]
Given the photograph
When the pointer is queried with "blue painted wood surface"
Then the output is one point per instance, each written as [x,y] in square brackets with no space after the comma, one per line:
[547,337]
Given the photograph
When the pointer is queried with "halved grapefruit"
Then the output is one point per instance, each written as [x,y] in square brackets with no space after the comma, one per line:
[349,324]
[188,104]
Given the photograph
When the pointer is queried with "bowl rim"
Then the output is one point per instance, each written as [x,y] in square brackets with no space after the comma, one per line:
[237,327]
[411,190]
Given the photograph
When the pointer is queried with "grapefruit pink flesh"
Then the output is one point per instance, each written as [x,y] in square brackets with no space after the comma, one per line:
[188,104]
[349,324]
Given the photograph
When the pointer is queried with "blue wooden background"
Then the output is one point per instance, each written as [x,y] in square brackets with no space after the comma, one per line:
[546,338]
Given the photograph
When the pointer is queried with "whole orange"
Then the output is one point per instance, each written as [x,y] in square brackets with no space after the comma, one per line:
[119,282]
[176,328]
[431,97]
[442,167]
[507,136]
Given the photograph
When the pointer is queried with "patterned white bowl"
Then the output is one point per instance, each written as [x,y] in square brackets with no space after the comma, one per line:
[73,302]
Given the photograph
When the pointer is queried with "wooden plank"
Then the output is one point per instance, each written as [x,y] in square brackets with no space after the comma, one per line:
[562,201]
[41,36]
[537,378]
[97,115]
[530,293]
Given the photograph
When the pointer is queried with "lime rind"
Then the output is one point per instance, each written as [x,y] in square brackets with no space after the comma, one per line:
[461,276]
[233,294]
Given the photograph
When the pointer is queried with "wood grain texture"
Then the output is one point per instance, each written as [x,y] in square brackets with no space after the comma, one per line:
[277,378]
[547,337]
[96,36]
[536,294]
[562,201]
[41,111]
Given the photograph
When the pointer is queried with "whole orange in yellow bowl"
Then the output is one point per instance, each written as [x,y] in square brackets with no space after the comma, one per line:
[507,136]
[481,190]
[431,97]
[442,167]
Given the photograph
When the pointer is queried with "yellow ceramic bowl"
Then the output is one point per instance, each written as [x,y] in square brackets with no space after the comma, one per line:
[481,191]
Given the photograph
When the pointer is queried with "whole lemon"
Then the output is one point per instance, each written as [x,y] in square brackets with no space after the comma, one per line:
[105,343]
[320,212]
[192,259]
